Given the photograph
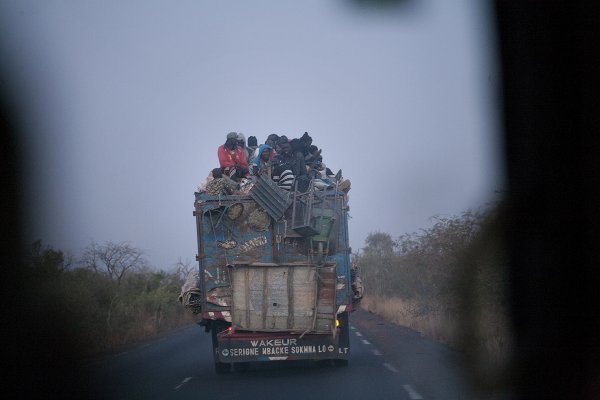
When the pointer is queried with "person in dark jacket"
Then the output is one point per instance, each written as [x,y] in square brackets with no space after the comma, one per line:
[272,140]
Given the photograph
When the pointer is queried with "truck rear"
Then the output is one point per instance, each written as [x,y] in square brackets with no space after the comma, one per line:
[274,274]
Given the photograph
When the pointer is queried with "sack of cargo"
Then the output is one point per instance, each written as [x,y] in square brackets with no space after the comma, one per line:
[190,295]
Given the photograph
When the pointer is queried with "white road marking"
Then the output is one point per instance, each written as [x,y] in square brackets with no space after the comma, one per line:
[390,367]
[376,352]
[353,328]
[183,382]
[358,333]
[412,393]
[365,341]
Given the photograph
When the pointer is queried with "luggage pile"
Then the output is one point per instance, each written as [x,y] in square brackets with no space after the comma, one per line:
[293,164]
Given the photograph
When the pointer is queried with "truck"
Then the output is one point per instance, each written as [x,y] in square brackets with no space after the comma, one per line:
[275,279]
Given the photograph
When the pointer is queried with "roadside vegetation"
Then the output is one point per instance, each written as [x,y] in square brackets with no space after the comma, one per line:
[107,297]
[447,282]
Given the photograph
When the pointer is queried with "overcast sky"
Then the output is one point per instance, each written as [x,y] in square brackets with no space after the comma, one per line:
[125,104]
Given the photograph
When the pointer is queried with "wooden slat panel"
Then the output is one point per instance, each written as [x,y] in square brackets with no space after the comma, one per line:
[279,298]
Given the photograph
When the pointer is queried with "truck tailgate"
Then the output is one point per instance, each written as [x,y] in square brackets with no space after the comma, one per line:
[296,298]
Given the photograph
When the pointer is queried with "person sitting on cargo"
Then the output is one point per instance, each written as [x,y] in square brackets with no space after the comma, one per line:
[271,141]
[305,143]
[241,142]
[283,149]
[313,153]
[304,149]
[316,172]
[295,157]
[262,165]
[251,148]
[286,155]
[218,184]
[283,176]
[296,151]
[232,158]
[315,168]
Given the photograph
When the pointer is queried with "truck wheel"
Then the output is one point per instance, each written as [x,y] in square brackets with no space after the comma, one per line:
[216,327]
[344,339]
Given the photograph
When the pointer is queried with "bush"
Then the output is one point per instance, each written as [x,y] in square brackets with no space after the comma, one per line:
[447,281]
[103,310]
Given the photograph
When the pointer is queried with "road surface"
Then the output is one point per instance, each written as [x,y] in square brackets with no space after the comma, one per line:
[388,362]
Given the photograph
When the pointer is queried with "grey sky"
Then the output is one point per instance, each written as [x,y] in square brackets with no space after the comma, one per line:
[127,102]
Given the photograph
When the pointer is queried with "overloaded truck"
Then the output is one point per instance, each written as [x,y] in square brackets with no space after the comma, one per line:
[275,280]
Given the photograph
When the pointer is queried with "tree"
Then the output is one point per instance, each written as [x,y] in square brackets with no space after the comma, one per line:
[379,244]
[48,261]
[183,268]
[113,259]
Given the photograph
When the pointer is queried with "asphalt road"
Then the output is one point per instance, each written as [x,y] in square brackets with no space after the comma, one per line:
[388,362]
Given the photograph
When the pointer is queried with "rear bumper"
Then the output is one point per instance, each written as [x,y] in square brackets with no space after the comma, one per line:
[250,346]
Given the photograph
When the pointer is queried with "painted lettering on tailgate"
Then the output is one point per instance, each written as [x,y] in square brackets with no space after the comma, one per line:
[273,342]
[304,349]
[244,351]
[293,347]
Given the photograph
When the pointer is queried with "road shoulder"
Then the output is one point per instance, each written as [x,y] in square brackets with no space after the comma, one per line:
[434,368]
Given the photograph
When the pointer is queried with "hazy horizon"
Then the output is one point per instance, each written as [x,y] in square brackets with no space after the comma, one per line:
[125,104]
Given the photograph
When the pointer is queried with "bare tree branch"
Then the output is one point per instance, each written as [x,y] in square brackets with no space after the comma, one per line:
[183,268]
[113,259]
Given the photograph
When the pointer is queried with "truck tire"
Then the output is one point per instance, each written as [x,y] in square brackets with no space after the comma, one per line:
[216,327]
[344,340]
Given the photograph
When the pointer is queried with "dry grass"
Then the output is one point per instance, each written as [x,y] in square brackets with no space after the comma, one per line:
[435,325]
[455,274]
[487,338]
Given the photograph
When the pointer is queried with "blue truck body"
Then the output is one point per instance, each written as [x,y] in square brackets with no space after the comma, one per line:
[275,274]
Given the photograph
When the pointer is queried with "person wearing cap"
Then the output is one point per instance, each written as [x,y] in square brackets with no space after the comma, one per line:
[241,142]
[251,148]
[232,158]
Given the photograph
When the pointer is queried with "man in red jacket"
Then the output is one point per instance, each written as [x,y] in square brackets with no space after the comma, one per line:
[232,158]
